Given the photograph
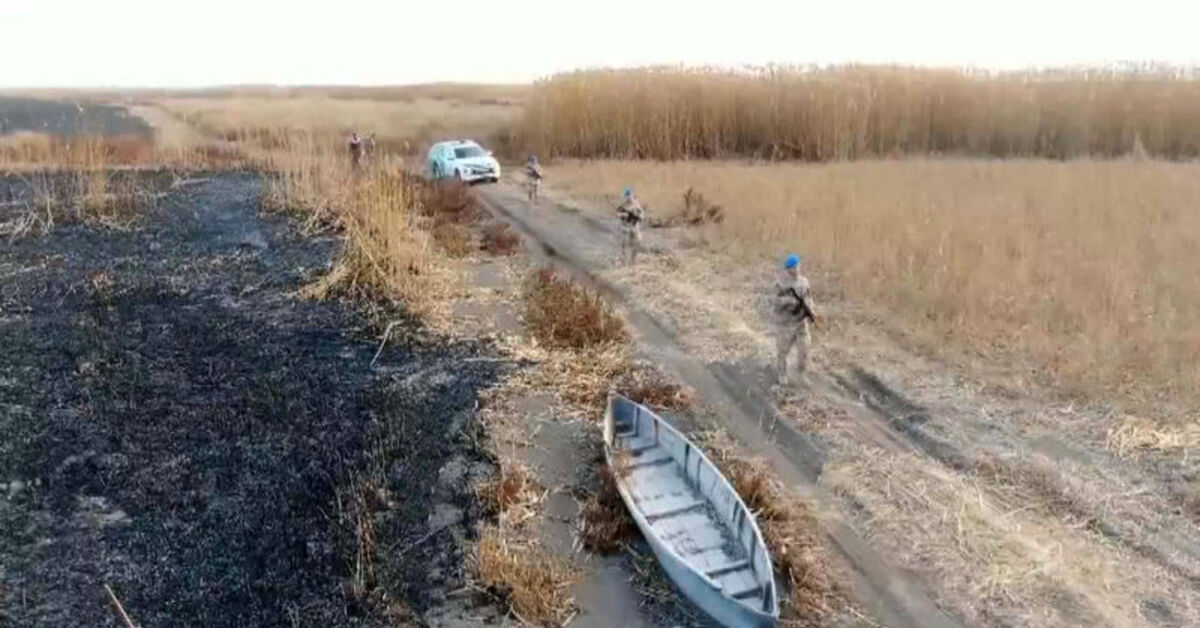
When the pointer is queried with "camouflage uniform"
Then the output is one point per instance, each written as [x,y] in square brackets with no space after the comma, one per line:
[356,150]
[792,322]
[533,172]
[632,215]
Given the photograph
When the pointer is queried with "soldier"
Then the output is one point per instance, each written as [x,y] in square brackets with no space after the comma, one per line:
[356,150]
[793,312]
[631,214]
[368,149]
[533,172]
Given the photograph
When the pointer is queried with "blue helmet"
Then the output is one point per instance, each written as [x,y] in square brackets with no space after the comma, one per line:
[628,192]
[792,261]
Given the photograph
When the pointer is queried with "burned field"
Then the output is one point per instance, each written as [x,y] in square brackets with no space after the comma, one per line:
[176,424]
[37,115]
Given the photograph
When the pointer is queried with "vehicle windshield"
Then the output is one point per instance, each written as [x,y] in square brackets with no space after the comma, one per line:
[465,152]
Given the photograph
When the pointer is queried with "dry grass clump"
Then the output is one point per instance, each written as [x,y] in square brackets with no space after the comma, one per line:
[861,111]
[1081,274]
[583,377]
[500,239]
[449,207]
[24,150]
[604,521]
[1188,498]
[697,210]
[655,389]
[534,583]
[1035,480]
[562,314]
[96,195]
[1138,434]
[386,256]
[512,494]
[356,507]
[791,532]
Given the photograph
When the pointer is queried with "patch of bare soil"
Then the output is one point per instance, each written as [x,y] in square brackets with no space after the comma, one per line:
[175,423]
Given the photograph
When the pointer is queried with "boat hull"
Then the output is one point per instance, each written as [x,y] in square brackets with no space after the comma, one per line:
[702,590]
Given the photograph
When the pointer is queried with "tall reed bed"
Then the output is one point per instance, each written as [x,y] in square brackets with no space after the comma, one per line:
[857,112]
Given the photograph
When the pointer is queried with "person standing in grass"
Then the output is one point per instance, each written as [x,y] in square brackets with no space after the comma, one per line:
[793,313]
[356,150]
[533,171]
[631,214]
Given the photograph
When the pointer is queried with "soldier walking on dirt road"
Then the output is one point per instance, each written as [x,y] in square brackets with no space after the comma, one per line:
[533,172]
[793,313]
[631,213]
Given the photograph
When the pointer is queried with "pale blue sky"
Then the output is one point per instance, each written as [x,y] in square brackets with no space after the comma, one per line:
[72,43]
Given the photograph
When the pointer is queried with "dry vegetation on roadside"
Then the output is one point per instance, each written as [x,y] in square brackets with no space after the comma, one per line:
[535,583]
[84,185]
[604,521]
[1080,274]
[1002,554]
[500,239]
[791,532]
[386,256]
[561,314]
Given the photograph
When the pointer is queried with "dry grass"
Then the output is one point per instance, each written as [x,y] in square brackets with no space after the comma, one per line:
[297,119]
[356,508]
[386,256]
[499,239]
[449,207]
[604,521]
[697,210]
[562,314]
[654,389]
[533,583]
[1078,273]
[91,192]
[791,532]
[25,151]
[994,559]
[1135,435]
[856,112]
[583,378]
[513,495]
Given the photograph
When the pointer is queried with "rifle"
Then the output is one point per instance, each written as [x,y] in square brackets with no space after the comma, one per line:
[802,310]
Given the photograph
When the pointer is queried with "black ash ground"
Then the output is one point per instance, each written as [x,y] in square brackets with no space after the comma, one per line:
[174,423]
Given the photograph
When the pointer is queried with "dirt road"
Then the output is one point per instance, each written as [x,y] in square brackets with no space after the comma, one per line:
[949,499]
[580,245]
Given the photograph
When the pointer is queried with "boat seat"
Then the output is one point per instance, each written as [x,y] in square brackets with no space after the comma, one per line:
[729,567]
[651,458]
[746,593]
[639,445]
[679,507]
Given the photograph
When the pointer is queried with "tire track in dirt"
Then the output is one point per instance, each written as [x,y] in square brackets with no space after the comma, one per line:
[879,587]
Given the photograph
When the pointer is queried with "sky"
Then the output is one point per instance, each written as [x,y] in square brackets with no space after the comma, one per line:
[160,43]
